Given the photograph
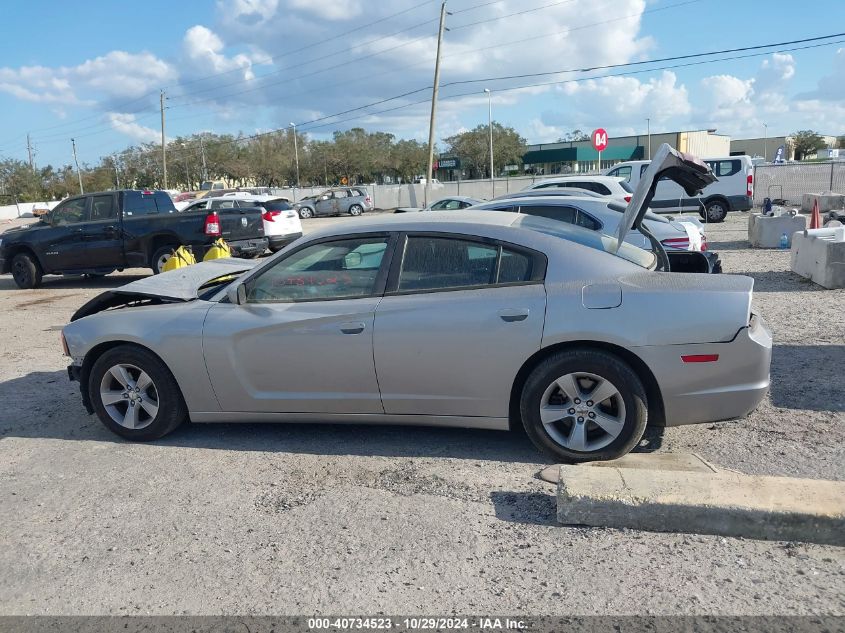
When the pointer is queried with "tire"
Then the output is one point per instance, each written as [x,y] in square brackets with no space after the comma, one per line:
[160,257]
[356,209]
[26,271]
[158,407]
[715,211]
[577,435]
[305,213]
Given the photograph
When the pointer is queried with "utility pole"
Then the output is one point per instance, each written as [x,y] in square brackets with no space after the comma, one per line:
[202,151]
[765,141]
[163,143]
[296,155]
[434,101]
[648,127]
[116,172]
[29,151]
[490,128]
[78,173]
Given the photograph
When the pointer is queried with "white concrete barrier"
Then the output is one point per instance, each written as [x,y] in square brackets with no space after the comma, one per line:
[765,231]
[819,255]
[24,209]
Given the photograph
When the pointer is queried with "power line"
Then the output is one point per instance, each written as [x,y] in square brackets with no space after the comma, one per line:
[509,15]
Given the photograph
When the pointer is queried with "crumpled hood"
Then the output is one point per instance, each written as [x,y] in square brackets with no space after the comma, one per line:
[174,286]
[183,284]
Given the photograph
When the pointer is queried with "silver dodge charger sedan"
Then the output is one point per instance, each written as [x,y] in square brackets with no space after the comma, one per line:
[468,319]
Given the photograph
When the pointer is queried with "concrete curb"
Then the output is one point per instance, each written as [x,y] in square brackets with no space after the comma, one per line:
[726,503]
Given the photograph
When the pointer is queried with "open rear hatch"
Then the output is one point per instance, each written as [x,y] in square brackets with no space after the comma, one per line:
[688,171]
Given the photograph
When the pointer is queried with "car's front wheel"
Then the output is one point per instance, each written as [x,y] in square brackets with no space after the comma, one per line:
[135,395]
[26,271]
[584,405]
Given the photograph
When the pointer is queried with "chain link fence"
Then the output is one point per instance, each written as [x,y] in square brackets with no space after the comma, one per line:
[790,182]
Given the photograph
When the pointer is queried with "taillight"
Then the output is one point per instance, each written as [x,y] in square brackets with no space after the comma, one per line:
[368,200]
[703,242]
[627,198]
[749,188]
[269,215]
[678,243]
[212,224]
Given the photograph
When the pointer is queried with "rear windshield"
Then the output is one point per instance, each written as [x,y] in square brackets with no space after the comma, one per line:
[585,237]
[626,186]
[276,205]
[147,202]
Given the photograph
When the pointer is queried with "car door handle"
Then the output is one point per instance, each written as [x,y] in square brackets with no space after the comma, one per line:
[511,315]
[352,328]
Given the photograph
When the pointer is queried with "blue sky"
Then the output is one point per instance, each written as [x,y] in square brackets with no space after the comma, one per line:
[92,70]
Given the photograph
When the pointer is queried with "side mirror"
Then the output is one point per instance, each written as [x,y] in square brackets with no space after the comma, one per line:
[236,293]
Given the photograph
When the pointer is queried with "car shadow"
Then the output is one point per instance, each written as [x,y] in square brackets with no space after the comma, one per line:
[76,282]
[808,377]
[48,405]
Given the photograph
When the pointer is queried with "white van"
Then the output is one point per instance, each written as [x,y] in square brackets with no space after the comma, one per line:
[733,191]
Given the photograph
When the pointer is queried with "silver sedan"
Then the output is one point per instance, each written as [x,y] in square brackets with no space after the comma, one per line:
[469,319]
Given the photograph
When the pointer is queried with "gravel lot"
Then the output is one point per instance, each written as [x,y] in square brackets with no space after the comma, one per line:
[296,519]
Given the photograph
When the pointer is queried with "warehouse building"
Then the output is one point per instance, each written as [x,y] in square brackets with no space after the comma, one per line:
[580,157]
[767,146]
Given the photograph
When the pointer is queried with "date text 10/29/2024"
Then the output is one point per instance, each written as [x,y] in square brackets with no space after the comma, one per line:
[415,623]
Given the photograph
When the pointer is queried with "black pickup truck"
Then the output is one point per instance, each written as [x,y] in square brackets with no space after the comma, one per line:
[99,233]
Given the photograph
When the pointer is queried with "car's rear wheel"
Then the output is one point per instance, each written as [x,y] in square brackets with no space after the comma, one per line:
[714,211]
[26,271]
[135,395]
[356,209]
[584,405]
[305,213]
[160,257]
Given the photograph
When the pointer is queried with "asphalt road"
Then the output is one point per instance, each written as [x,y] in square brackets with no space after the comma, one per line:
[296,519]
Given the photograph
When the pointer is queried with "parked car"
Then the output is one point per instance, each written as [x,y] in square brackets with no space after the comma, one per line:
[281,222]
[604,215]
[98,233]
[336,201]
[733,191]
[602,185]
[476,319]
[452,203]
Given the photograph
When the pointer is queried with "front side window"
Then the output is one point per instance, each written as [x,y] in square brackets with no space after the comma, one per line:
[622,172]
[341,269]
[69,213]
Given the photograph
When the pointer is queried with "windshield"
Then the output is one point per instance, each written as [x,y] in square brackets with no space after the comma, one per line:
[591,239]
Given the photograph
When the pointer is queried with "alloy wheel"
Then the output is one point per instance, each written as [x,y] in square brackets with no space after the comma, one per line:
[582,411]
[129,396]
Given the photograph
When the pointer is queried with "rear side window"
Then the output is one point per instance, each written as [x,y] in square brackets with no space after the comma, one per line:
[591,186]
[357,192]
[727,168]
[281,205]
[587,221]
[553,212]
[102,208]
[442,263]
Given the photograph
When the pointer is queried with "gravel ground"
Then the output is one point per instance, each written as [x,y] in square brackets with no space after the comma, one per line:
[296,519]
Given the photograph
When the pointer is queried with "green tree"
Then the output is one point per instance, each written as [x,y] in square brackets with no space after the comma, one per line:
[806,142]
[472,148]
[574,135]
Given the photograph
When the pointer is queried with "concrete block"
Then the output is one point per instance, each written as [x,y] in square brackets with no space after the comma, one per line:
[827,201]
[819,255]
[765,231]
[726,503]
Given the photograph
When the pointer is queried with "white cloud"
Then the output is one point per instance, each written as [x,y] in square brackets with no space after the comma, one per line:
[127,124]
[203,47]
[248,11]
[329,9]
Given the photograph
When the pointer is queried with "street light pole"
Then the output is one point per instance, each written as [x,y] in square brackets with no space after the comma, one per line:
[296,157]
[78,173]
[648,131]
[490,129]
